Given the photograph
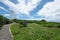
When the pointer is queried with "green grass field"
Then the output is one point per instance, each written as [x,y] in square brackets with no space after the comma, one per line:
[34,32]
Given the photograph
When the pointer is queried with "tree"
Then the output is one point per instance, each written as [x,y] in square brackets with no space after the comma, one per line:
[43,20]
[3,20]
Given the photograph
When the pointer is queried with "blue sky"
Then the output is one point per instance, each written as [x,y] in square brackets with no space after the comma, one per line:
[31,9]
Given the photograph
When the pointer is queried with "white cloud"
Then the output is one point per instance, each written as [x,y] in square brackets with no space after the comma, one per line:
[21,7]
[3,8]
[51,11]
[6,15]
[29,17]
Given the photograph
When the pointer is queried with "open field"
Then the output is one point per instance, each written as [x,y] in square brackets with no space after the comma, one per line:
[34,31]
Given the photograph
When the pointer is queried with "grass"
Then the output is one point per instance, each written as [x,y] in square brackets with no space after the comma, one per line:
[50,24]
[34,32]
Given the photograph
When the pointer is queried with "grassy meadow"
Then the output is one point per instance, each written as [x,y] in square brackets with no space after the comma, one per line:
[36,31]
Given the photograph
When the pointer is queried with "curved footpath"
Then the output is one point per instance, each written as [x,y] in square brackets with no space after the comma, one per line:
[4,33]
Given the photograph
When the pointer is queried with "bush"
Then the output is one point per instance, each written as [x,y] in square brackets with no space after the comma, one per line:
[20,25]
[58,26]
[24,23]
[4,20]
[43,21]
[50,25]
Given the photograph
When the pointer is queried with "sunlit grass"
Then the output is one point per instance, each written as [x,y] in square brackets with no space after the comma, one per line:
[34,32]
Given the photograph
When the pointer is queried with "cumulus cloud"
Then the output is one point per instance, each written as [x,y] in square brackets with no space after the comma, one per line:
[27,17]
[3,8]
[21,7]
[51,11]
[6,15]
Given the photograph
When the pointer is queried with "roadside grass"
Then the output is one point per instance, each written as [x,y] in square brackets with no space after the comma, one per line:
[34,32]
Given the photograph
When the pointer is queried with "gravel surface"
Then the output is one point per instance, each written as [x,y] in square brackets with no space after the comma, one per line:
[4,33]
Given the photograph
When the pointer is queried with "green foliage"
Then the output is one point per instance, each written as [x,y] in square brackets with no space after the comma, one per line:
[50,24]
[24,23]
[21,26]
[3,21]
[35,31]
[16,30]
[58,25]
[43,21]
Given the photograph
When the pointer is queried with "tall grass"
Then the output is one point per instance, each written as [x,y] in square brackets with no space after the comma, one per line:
[35,32]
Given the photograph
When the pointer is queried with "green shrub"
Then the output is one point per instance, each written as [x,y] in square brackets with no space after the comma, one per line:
[43,20]
[20,25]
[49,25]
[58,26]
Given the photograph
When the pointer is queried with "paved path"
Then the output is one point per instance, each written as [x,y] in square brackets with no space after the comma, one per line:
[4,33]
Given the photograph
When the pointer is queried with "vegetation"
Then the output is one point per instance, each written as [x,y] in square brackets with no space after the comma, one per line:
[42,22]
[3,21]
[35,31]
[32,29]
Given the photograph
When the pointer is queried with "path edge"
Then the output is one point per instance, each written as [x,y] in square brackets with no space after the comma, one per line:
[10,32]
